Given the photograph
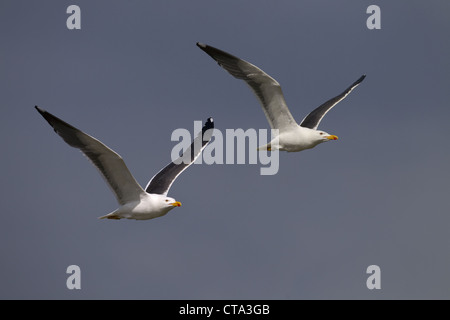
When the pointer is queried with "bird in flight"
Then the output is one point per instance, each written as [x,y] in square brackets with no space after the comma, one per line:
[135,202]
[291,137]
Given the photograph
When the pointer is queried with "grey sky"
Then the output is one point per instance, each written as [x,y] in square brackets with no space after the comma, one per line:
[132,74]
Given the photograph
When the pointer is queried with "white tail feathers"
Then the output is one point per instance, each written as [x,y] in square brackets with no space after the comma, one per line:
[265,147]
[111,215]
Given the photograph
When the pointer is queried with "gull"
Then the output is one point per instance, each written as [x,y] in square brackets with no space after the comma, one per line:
[135,202]
[291,137]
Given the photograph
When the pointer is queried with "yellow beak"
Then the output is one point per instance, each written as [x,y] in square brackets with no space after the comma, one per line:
[176,204]
[332,137]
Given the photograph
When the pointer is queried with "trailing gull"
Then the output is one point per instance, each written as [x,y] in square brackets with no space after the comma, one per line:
[292,137]
[135,203]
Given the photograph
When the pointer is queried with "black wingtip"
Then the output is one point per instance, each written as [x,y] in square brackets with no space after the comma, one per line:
[40,110]
[53,120]
[48,117]
[43,113]
[209,124]
[357,82]
[201,45]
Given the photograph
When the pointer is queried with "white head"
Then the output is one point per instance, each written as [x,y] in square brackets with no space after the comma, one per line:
[170,202]
[165,204]
[322,136]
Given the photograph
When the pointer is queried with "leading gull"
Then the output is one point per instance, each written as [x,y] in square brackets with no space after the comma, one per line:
[291,136]
[135,202]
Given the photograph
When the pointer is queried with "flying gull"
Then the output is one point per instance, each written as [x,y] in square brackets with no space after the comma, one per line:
[135,203]
[292,137]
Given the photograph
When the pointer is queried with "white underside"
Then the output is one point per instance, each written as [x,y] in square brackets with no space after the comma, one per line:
[148,207]
[295,140]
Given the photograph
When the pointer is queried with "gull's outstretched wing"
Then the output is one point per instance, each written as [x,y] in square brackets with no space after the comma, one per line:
[313,119]
[163,180]
[266,88]
[110,164]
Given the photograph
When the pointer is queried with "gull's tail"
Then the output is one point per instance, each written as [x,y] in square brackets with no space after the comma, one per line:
[111,215]
[267,147]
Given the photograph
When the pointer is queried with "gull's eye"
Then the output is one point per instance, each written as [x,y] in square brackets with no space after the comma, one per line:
[321,133]
[167,200]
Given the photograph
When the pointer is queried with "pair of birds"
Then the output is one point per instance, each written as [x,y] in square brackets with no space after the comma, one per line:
[137,203]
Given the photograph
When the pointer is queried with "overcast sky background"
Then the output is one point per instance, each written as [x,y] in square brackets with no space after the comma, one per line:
[132,74]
